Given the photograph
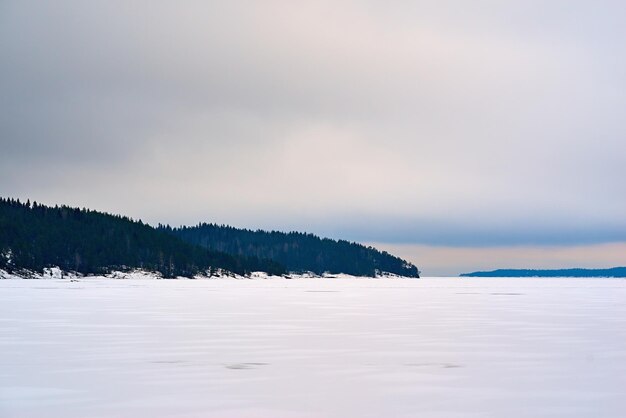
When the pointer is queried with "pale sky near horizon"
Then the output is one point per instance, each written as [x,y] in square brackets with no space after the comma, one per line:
[461,135]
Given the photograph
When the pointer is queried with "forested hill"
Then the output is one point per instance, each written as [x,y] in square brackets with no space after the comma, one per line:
[610,272]
[298,252]
[34,236]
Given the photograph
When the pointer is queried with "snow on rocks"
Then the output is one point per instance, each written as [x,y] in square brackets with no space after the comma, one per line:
[6,275]
[55,273]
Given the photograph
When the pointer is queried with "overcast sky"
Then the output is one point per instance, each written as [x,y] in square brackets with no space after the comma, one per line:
[447,130]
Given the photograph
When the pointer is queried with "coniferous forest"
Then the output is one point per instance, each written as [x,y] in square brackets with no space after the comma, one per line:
[35,236]
[298,252]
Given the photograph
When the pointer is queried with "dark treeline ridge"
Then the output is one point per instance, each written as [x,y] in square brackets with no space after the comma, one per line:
[576,272]
[34,236]
[298,252]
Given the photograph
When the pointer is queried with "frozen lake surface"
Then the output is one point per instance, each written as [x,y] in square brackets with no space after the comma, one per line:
[313,348]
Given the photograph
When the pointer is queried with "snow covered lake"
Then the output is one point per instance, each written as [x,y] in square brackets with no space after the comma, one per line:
[313,348]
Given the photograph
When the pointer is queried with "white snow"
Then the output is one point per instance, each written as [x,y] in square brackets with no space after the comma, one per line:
[314,348]
[139,274]
[6,275]
[133,274]
[52,273]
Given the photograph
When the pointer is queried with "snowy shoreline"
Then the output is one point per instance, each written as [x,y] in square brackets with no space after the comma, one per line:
[139,274]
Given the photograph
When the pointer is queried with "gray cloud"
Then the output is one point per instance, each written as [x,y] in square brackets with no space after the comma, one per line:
[435,122]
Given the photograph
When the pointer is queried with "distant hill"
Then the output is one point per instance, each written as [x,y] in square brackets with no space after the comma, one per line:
[34,236]
[577,272]
[298,252]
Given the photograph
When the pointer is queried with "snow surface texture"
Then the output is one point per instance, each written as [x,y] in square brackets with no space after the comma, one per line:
[313,348]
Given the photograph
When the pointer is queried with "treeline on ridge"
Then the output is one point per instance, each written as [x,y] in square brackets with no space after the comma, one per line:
[298,252]
[34,236]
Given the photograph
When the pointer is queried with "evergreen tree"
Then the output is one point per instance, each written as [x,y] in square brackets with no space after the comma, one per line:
[38,236]
[298,252]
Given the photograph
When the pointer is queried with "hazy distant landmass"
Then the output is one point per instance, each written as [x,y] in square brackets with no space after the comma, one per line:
[575,272]
[35,236]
